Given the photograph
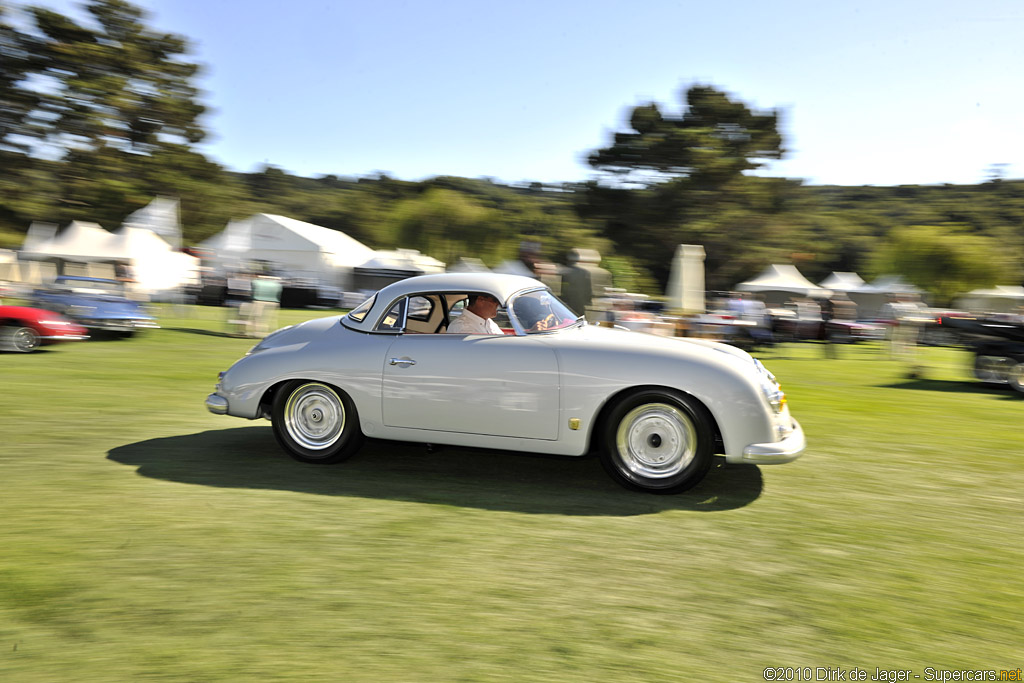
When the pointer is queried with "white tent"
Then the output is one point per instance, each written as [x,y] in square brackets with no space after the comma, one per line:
[871,298]
[155,266]
[160,216]
[389,266]
[469,264]
[781,282]
[80,241]
[39,233]
[998,299]
[293,248]
[841,281]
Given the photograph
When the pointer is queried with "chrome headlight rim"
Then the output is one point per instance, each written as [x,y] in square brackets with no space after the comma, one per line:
[770,388]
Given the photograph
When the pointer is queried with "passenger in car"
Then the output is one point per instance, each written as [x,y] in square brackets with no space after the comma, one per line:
[477,316]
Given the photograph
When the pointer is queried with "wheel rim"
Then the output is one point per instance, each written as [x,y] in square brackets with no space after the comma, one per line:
[314,416]
[990,369]
[1017,377]
[656,440]
[25,339]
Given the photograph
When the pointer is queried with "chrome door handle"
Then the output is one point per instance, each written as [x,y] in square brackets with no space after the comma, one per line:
[402,361]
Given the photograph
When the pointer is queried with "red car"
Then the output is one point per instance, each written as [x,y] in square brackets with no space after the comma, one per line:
[25,329]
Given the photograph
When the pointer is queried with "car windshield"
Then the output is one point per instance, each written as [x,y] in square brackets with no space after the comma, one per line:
[90,286]
[540,311]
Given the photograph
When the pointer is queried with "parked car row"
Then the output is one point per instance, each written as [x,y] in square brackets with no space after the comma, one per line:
[73,308]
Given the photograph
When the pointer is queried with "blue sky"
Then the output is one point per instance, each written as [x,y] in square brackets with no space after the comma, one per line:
[876,92]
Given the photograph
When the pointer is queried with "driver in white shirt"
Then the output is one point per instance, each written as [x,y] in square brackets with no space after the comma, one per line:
[477,316]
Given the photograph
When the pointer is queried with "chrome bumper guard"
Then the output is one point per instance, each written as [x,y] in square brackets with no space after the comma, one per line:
[787,450]
[217,404]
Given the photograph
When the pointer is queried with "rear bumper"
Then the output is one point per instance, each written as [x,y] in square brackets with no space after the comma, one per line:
[777,452]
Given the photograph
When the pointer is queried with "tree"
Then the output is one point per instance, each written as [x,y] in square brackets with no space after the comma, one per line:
[680,178]
[17,100]
[944,260]
[713,141]
[446,224]
[118,85]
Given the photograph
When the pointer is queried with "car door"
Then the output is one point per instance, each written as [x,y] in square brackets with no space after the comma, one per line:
[499,385]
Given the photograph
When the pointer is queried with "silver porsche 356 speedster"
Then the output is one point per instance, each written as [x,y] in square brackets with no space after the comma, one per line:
[655,409]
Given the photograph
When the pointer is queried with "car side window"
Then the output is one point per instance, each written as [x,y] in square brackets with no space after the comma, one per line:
[394,319]
[359,312]
[501,318]
[420,308]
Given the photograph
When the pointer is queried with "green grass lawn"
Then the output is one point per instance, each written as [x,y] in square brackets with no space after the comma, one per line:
[144,538]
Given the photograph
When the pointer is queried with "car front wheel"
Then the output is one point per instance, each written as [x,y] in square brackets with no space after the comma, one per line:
[658,441]
[20,339]
[1017,375]
[315,422]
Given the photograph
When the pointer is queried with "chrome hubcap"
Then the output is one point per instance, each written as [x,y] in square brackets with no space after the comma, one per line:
[314,416]
[656,440]
[25,339]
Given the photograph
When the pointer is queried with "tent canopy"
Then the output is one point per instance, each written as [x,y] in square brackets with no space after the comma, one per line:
[999,292]
[159,216]
[841,281]
[891,284]
[783,279]
[999,299]
[294,248]
[79,241]
[155,265]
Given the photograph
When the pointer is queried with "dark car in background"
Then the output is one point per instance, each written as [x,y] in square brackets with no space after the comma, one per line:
[793,328]
[99,304]
[998,345]
[24,329]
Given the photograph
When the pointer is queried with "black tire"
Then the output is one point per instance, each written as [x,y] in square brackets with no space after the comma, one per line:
[658,441]
[315,422]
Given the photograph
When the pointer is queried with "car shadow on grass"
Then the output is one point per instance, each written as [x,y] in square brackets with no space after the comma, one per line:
[208,333]
[249,457]
[954,386]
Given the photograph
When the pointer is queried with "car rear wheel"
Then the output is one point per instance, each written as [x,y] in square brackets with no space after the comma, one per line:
[20,339]
[658,441]
[315,422]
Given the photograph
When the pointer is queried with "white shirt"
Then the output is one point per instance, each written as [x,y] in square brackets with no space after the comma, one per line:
[470,323]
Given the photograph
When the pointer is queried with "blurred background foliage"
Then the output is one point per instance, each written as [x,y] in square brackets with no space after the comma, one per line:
[97,119]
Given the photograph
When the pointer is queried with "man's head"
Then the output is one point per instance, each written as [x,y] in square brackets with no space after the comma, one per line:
[483,305]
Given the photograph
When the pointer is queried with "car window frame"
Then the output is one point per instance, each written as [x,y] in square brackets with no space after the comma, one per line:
[399,327]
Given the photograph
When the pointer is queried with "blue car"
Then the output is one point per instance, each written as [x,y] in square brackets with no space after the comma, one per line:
[96,303]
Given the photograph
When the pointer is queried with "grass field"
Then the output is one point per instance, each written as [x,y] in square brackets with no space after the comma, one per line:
[143,538]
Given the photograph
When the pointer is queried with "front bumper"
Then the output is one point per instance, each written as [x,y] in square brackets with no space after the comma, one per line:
[217,404]
[777,452]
